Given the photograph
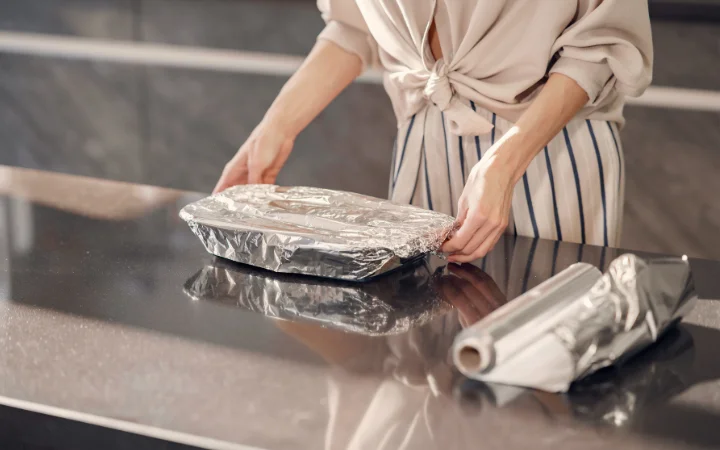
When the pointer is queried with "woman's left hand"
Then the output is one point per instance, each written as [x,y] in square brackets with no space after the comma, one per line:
[483,211]
[484,207]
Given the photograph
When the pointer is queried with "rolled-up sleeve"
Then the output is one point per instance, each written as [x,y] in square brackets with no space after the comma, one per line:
[346,28]
[608,46]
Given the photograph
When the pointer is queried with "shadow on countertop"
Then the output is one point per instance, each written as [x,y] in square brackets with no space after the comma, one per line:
[638,397]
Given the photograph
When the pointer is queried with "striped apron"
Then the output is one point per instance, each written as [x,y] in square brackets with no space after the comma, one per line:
[573,189]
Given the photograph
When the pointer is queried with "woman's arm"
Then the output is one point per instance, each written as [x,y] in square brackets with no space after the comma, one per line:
[557,103]
[327,70]
[608,48]
[325,73]
[484,205]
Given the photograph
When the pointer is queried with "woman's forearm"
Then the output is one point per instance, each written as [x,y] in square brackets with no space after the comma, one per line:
[484,206]
[324,74]
[557,103]
[327,70]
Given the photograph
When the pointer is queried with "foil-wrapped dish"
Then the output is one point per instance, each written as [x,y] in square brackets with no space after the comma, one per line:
[314,231]
[576,323]
[389,305]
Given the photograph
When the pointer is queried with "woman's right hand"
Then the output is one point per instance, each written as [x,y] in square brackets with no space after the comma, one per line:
[260,158]
[325,73]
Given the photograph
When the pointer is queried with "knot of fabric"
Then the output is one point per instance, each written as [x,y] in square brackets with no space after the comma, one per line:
[435,86]
[438,89]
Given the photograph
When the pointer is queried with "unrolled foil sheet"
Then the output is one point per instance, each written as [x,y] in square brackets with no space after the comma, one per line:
[618,398]
[614,398]
[576,323]
[315,231]
[388,305]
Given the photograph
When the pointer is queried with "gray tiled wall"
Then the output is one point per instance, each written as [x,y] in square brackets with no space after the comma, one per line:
[178,127]
[104,19]
[72,116]
[193,134]
[279,26]
[672,159]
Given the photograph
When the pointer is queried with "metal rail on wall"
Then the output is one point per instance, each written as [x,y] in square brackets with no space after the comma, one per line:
[152,54]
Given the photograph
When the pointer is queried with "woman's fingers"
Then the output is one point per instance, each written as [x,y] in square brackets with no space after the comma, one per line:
[477,254]
[234,173]
[470,226]
[259,160]
[227,180]
[221,185]
[459,221]
[476,233]
[487,245]
[480,235]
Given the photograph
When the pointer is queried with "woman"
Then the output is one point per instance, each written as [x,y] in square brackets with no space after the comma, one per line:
[508,110]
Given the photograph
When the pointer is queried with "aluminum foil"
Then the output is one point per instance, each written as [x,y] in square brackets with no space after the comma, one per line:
[315,231]
[576,323]
[392,304]
[617,398]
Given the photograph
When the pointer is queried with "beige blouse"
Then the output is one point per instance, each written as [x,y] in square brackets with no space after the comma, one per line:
[497,53]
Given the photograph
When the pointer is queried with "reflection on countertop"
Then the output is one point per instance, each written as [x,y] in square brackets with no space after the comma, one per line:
[640,396]
[390,304]
[97,320]
[621,398]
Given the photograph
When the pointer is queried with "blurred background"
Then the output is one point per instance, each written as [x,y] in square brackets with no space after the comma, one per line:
[163,92]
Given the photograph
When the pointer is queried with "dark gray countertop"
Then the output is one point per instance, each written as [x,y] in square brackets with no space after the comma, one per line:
[113,314]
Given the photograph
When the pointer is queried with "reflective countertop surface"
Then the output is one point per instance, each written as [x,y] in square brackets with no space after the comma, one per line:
[113,314]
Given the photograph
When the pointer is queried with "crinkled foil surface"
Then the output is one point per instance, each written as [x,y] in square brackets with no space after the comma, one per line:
[392,304]
[628,309]
[623,312]
[314,231]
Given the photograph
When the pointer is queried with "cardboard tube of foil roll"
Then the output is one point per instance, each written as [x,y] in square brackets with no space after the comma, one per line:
[519,323]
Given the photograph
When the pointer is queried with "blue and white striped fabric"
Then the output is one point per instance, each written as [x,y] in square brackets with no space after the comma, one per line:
[572,191]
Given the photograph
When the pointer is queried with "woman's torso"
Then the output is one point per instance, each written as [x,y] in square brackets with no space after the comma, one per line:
[495,53]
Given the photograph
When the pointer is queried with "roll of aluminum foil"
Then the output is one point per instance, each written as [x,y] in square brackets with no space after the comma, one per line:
[576,323]
[520,322]
[615,398]
[392,304]
[315,231]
